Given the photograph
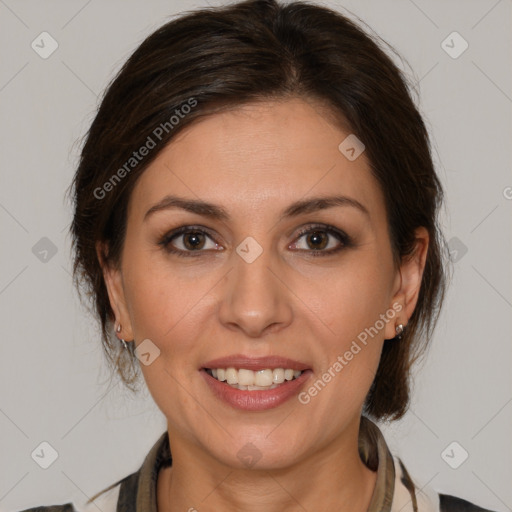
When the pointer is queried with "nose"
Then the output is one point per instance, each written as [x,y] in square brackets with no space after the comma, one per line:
[255,300]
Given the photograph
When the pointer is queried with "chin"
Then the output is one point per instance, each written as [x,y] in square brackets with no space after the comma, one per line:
[259,450]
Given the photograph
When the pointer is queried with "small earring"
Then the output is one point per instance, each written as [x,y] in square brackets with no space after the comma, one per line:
[399,329]
[118,330]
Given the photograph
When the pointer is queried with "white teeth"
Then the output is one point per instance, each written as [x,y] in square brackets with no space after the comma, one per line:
[278,376]
[263,378]
[231,376]
[288,374]
[245,379]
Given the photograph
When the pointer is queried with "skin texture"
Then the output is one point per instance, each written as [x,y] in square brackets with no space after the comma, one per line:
[255,161]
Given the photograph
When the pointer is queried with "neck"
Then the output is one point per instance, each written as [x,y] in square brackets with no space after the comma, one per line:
[331,478]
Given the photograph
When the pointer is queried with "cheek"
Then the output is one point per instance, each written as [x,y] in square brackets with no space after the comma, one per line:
[353,297]
[353,306]
[350,350]
[166,305]
[171,311]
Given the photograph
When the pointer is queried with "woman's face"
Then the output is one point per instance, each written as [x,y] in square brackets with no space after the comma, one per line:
[242,283]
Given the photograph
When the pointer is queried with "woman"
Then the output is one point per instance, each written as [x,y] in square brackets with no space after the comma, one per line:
[256,220]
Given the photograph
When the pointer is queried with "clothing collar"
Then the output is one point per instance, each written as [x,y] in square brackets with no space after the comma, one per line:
[140,487]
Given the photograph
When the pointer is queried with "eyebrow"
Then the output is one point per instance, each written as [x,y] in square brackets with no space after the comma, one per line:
[216,212]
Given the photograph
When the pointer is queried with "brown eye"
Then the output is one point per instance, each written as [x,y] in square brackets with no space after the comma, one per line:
[317,240]
[187,241]
[193,240]
[321,241]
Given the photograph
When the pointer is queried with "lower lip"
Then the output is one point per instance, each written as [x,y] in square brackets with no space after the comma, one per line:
[257,400]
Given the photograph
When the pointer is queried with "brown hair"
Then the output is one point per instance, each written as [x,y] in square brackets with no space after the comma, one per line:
[254,50]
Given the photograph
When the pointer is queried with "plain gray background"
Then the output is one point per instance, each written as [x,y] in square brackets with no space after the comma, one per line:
[54,385]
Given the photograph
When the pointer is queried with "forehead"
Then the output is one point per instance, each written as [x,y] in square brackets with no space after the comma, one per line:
[258,156]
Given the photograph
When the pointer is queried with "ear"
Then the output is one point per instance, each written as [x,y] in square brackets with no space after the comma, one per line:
[408,282]
[115,288]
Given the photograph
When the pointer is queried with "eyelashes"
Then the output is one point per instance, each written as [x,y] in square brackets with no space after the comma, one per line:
[313,233]
[195,233]
[196,241]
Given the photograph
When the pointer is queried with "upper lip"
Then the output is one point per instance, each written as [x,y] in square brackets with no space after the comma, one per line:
[255,363]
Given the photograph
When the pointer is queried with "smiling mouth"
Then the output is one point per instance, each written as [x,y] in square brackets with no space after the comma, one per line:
[249,380]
